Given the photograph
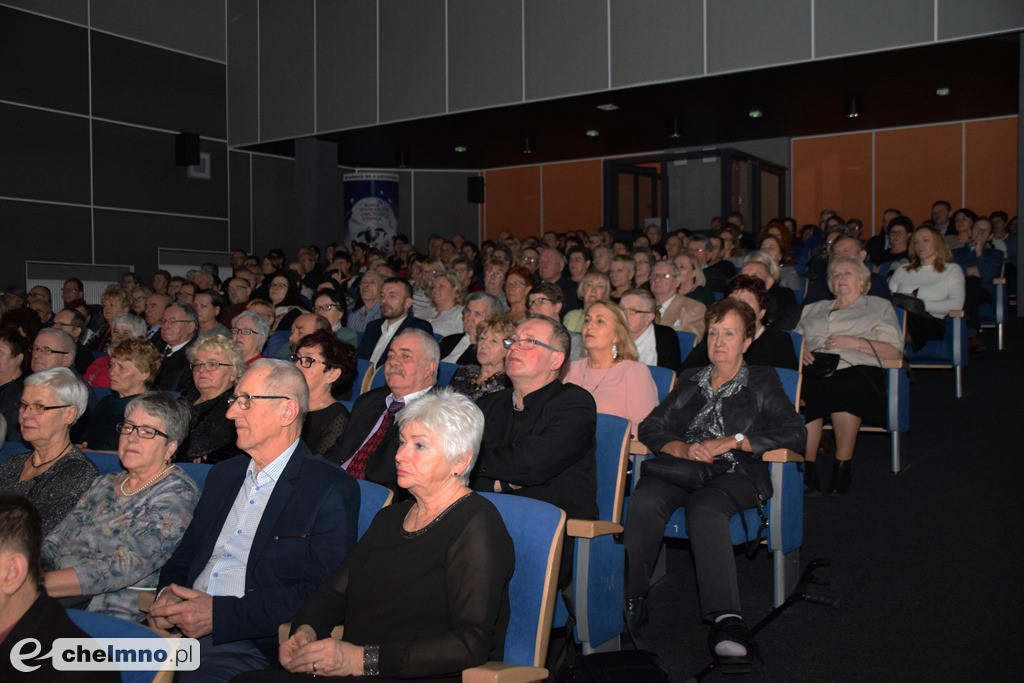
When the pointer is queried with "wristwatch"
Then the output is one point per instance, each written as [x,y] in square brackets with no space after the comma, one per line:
[739,439]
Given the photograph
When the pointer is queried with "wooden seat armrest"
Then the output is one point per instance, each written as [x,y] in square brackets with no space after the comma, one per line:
[999,280]
[146,600]
[782,455]
[499,672]
[637,448]
[591,528]
[956,314]
[893,363]
[284,631]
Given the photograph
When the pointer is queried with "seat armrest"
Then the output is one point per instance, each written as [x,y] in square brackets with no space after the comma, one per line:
[999,280]
[591,528]
[637,448]
[956,314]
[782,455]
[893,363]
[499,672]
[146,600]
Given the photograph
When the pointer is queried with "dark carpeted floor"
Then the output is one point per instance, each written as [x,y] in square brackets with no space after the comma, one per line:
[926,565]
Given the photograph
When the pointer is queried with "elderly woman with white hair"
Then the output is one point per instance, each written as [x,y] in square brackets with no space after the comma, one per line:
[846,342]
[424,594]
[54,473]
[250,331]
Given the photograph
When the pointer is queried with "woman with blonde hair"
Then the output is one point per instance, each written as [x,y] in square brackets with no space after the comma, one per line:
[594,286]
[217,364]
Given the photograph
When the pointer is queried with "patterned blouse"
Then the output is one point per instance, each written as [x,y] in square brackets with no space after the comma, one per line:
[55,491]
[114,542]
[464,381]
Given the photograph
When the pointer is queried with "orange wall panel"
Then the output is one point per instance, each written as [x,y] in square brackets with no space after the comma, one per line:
[832,172]
[572,196]
[915,167]
[512,202]
[991,165]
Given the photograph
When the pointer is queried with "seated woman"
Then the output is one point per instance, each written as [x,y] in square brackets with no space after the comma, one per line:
[863,331]
[125,527]
[768,346]
[595,286]
[134,365]
[933,278]
[727,411]
[692,282]
[448,296]
[518,283]
[54,473]
[489,376]
[329,366]
[249,331]
[424,594]
[284,295]
[216,365]
[898,233]
[114,301]
[125,326]
[609,369]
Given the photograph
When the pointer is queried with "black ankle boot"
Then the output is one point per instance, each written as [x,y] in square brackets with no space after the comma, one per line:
[636,612]
[842,473]
[812,487]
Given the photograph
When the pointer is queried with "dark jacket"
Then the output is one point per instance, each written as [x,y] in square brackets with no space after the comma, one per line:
[373,331]
[211,435]
[448,344]
[666,345]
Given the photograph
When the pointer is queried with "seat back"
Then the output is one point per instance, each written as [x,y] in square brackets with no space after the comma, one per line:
[612,456]
[98,625]
[377,380]
[100,392]
[537,530]
[12,448]
[797,340]
[276,341]
[196,470]
[687,340]
[364,375]
[107,462]
[664,380]
[445,372]
[790,384]
[372,497]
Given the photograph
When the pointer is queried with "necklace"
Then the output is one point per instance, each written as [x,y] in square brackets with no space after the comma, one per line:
[46,462]
[586,368]
[146,485]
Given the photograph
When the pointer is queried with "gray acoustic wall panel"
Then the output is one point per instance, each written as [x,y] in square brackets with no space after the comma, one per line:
[566,47]
[43,62]
[241,201]
[243,72]
[442,207]
[346,64]
[485,53]
[43,155]
[958,18]
[412,59]
[133,238]
[406,203]
[68,10]
[134,168]
[147,85]
[273,204]
[747,34]
[193,26]
[656,40]
[43,232]
[286,68]
[844,27]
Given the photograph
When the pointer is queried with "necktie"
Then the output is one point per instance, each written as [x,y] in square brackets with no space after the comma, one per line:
[357,467]
[168,351]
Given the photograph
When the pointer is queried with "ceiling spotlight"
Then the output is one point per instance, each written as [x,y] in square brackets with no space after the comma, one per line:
[527,149]
[942,91]
[593,133]
[852,105]
[460,148]
[755,113]
[675,128]
[608,107]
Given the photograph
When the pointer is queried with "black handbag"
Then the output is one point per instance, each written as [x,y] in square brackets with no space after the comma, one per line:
[689,475]
[824,365]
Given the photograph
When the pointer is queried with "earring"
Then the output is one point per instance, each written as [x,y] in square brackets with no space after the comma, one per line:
[615,351]
[455,474]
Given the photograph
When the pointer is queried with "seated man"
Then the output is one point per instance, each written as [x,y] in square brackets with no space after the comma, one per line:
[268,529]
[307,323]
[74,323]
[395,316]
[178,329]
[55,348]
[982,263]
[547,299]
[679,312]
[655,344]
[461,348]
[370,441]
[783,310]
[539,435]
[26,612]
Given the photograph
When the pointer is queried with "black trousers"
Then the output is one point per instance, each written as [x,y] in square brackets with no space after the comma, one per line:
[974,296]
[707,525]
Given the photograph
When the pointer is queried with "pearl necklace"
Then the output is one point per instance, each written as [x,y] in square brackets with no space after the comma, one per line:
[146,485]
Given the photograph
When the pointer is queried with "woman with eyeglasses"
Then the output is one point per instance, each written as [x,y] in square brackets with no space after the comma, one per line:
[126,525]
[283,291]
[489,376]
[329,366]
[518,282]
[249,331]
[54,473]
[216,365]
[134,365]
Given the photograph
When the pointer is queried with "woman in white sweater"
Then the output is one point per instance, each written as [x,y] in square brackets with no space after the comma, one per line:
[932,277]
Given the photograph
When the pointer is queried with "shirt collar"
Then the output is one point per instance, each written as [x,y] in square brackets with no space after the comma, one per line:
[272,472]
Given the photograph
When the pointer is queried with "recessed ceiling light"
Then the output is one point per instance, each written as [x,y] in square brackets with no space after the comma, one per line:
[593,133]
[608,107]
[755,113]
[460,148]
[942,92]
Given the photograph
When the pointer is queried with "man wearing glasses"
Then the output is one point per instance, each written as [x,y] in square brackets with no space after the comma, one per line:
[679,312]
[238,290]
[177,330]
[539,435]
[269,527]
[655,344]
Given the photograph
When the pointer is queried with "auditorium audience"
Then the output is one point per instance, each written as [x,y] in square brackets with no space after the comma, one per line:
[981,264]
[177,330]
[331,304]
[656,344]
[595,286]
[134,366]
[124,326]
[932,279]
[216,364]
[461,348]
[396,304]
[328,366]
[681,313]
[114,302]
[369,297]
[447,296]
[487,374]
[518,282]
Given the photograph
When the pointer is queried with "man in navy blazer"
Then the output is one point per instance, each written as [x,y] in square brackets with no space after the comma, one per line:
[268,529]
[395,316]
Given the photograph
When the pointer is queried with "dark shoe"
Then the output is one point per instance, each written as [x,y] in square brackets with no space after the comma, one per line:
[842,473]
[812,487]
[974,344]
[724,638]
[636,612]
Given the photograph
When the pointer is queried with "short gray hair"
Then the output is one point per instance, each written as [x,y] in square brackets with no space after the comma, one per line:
[765,260]
[175,415]
[258,322]
[286,379]
[862,270]
[454,419]
[188,309]
[218,342]
[559,335]
[670,264]
[65,384]
[430,347]
[133,322]
[497,308]
[65,342]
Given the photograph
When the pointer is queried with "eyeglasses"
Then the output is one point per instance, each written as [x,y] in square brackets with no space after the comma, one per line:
[69,325]
[46,351]
[514,284]
[323,308]
[305,361]
[526,344]
[209,365]
[540,300]
[172,321]
[245,400]
[634,311]
[662,276]
[126,428]
[244,331]
[37,408]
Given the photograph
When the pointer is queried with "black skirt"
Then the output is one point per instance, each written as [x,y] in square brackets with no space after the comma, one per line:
[858,389]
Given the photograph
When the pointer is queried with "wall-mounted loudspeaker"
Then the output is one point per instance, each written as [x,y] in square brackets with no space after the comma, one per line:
[186,149]
[475,189]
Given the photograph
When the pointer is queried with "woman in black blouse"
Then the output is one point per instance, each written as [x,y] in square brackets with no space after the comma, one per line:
[216,365]
[329,366]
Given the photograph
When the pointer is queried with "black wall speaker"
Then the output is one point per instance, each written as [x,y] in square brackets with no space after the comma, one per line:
[186,149]
[475,189]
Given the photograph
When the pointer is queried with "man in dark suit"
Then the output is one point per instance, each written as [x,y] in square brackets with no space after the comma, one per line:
[783,311]
[268,529]
[655,344]
[395,316]
[700,247]
[461,348]
[178,329]
[410,372]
